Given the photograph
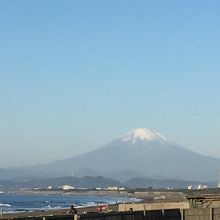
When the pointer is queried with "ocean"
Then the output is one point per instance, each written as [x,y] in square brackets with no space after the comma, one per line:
[29,202]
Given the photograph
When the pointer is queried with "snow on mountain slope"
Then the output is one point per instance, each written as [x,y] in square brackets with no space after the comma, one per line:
[141,151]
[142,134]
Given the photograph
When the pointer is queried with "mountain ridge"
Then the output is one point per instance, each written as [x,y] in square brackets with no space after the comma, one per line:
[95,182]
[139,153]
[143,151]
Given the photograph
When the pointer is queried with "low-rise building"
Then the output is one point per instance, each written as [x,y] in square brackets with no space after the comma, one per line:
[112,188]
[67,187]
[190,187]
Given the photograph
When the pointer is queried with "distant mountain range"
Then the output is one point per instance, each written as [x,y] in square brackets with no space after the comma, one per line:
[56,182]
[141,153]
[94,182]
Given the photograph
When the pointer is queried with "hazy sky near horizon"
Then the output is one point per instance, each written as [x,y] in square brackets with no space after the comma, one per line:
[74,75]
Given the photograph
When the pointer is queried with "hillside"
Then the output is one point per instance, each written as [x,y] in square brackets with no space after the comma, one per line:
[141,151]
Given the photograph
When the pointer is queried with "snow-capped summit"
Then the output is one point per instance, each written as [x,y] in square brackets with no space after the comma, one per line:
[142,134]
[139,153]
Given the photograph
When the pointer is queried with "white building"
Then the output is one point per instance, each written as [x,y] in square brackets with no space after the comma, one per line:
[121,189]
[190,187]
[112,188]
[202,187]
[219,181]
[67,187]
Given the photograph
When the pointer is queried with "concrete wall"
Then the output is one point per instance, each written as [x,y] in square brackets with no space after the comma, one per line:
[202,214]
[216,214]
[197,214]
[138,215]
[205,203]
[153,206]
[160,214]
[172,214]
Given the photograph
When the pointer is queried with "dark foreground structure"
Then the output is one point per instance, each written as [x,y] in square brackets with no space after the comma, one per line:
[170,214]
[194,208]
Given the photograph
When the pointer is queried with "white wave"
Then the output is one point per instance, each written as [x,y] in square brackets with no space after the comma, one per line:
[135,200]
[5,205]
[88,204]
[55,207]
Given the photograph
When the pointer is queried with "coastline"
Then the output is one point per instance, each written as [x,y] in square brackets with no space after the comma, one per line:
[57,201]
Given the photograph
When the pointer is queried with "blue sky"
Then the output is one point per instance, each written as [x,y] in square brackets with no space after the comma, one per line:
[74,75]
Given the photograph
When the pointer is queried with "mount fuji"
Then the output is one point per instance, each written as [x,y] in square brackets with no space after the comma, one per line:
[139,153]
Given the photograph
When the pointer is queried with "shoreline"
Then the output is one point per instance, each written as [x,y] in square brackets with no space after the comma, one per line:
[123,194]
[119,198]
[141,198]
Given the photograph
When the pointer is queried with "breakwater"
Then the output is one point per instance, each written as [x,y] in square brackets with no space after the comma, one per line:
[167,212]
